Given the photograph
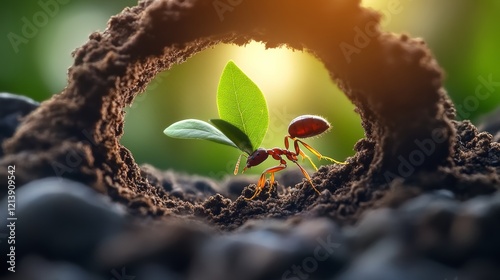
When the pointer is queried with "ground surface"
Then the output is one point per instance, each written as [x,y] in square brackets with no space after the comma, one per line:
[431,178]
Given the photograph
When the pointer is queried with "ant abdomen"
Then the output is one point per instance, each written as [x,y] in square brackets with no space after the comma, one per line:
[306,126]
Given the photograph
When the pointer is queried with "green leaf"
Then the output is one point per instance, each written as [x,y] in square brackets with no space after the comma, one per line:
[241,103]
[235,134]
[196,129]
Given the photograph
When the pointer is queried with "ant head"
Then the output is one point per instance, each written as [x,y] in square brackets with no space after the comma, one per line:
[257,157]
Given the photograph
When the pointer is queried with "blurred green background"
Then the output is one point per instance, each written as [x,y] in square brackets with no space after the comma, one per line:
[463,34]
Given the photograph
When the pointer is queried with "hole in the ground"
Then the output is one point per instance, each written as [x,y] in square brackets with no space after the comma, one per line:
[294,83]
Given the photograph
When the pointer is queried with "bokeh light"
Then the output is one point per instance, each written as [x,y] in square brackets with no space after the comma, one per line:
[69,29]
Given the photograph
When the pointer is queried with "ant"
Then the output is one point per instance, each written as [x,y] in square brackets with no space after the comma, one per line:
[304,126]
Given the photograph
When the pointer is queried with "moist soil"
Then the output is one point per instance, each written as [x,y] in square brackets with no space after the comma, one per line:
[413,145]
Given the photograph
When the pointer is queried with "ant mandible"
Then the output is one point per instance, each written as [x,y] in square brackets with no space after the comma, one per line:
[304,126]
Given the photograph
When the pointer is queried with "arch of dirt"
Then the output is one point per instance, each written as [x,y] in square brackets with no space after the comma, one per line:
[393,80]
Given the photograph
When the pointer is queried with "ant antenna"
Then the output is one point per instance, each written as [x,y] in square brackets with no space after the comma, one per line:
[237,167]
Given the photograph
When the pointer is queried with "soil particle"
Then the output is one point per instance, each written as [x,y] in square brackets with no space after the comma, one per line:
[415,160]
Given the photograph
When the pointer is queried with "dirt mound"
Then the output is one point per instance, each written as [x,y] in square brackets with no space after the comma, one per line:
[412,143]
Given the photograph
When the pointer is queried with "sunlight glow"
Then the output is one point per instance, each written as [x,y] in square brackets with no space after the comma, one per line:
[273,70]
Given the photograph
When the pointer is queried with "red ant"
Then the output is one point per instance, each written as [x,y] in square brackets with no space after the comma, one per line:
[301,127]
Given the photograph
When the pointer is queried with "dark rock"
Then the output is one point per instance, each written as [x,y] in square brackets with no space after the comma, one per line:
[171,244]
[426,223]
[12,109]
[389,260]
[476,229]
[432,233]
[373,226]
[154,272]
[36,268]
[418,205]
[444,193]
[62,220]
[480,269]
[273,250]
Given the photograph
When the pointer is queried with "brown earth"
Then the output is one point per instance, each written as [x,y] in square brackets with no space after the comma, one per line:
[412,143]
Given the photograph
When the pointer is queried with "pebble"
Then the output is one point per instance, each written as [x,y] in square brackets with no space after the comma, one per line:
[192,185]
[12,109]
[373,226]
[171,243]
[476,229]
[412,212]
[273,250]
[388,260]
[62,219]
[34,267]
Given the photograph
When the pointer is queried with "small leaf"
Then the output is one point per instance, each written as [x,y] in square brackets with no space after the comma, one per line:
[241,103]
[235,134]
[196,129]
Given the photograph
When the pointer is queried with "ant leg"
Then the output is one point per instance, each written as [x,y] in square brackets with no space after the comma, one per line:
[286,141]
[259,187]
[271,171]
[271,183]
[307,177]
[262,180]
[299,152]
[297,149]
[316,153]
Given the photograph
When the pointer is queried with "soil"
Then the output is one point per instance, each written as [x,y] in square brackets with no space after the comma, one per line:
[413,145]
